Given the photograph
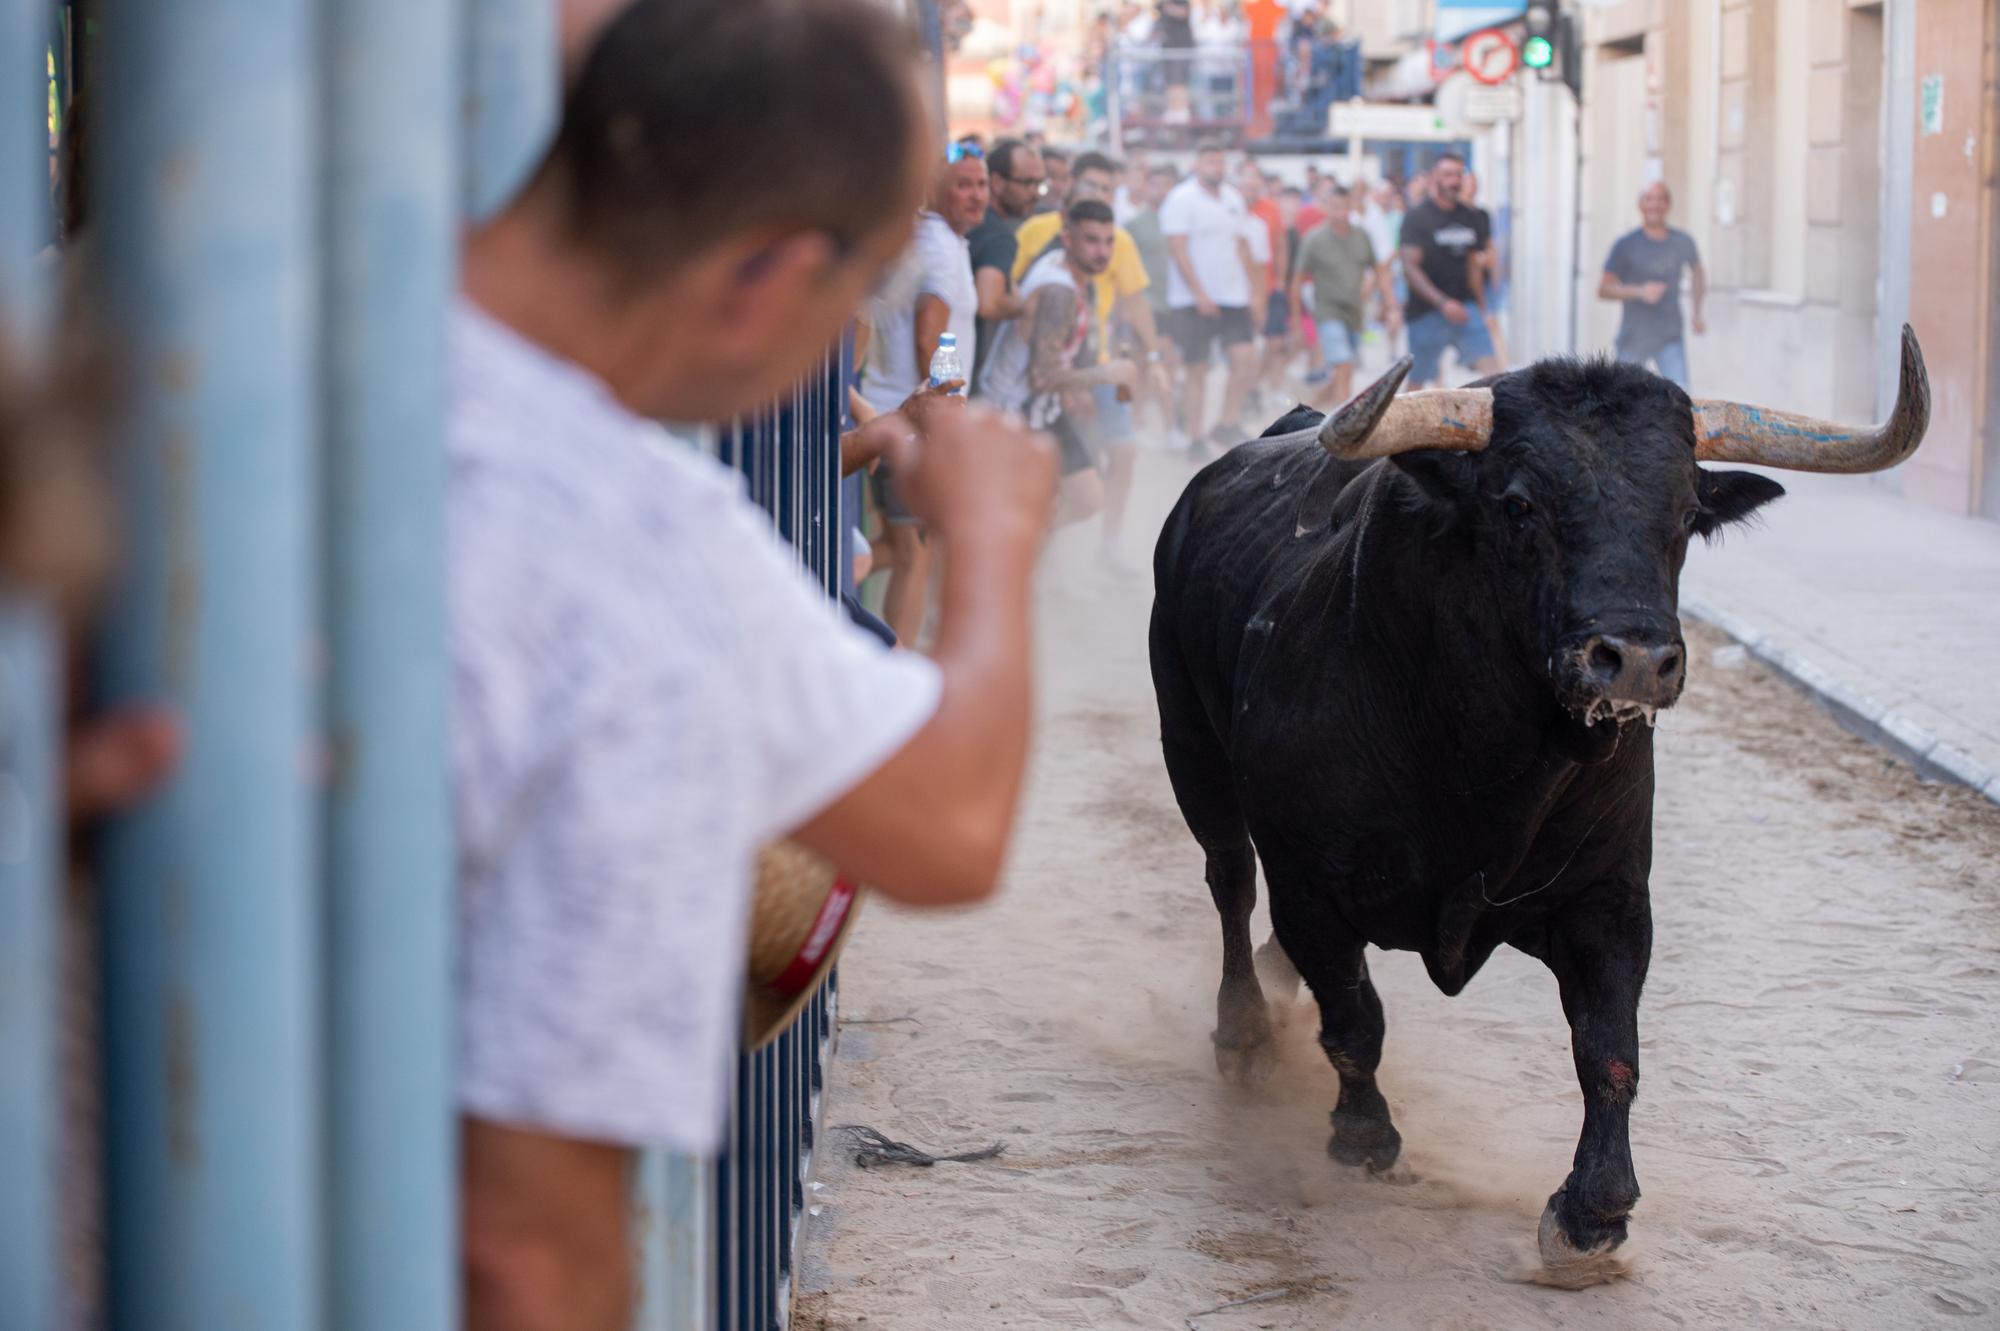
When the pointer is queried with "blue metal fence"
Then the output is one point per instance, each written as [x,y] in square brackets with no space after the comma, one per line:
[278,183]
[720,1239]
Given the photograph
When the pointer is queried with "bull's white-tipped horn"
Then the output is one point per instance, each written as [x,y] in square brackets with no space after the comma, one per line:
[1377,423]
[1736,432]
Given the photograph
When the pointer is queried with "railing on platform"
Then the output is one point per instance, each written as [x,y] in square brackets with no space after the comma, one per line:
[274,237]
[1263,95]
[719,1239]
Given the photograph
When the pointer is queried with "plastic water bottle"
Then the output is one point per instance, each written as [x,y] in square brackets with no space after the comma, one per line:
[944,363]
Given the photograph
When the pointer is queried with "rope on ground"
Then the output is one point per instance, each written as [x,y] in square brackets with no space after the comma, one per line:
[875,1149]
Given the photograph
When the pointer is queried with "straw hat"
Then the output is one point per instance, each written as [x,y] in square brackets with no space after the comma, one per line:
[799,918]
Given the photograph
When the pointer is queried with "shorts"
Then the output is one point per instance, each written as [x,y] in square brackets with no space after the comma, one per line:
[1113,425]
[1277,315]
[1069,441]
[1670,361]
[887,502]
[1197,334]
[1432,333]
[1337,341]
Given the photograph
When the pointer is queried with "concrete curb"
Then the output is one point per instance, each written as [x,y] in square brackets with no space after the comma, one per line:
[1934,759]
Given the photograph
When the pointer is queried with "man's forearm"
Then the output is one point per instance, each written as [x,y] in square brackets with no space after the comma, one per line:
[1137,311]
[1420,281]
[1177,250]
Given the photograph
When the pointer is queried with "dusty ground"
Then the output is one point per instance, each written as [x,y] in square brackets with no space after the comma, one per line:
[1817,1134]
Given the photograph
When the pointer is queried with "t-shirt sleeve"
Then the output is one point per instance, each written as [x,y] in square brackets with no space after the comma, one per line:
[994,247]
[1174,216]
[1367,249]
[1416,230]
[944,270]
[1615,262]
[1128,270]
[1690,251]
[815,704]
[1258,237]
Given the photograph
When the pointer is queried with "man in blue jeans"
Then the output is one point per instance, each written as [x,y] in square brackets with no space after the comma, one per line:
[1442,242]
[1644,271]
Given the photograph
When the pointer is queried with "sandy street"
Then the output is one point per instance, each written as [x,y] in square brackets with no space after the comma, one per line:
[1817,1133]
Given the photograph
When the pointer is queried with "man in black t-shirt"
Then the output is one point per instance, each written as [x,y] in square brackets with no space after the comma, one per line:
[1442,243]
[1644,271]
[1018,184]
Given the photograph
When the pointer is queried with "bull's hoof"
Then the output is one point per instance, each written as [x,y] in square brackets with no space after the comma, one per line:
[1372,1142]
[1246,1064]
[1572,1242]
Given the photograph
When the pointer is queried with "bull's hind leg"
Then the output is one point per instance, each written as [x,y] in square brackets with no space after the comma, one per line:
[1350,1031]
[1245,1051]
[1204,787]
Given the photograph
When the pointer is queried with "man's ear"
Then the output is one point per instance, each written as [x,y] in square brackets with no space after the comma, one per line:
[767,283]
[1731,496]
[1444,475]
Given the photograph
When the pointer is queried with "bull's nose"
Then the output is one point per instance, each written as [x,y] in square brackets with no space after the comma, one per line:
[1641,672]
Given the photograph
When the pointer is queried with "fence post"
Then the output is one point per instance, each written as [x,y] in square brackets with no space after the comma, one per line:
[393,69]
[206,165]
[30,930]
[513,84]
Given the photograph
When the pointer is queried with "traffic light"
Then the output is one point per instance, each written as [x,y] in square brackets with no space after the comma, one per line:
[1552,46]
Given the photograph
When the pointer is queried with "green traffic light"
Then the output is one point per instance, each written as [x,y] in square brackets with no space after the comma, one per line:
[1538,53]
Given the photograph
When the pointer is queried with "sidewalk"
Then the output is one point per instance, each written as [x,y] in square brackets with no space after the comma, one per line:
[1887,611]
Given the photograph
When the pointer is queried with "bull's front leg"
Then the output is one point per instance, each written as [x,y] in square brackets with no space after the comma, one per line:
[1599,952]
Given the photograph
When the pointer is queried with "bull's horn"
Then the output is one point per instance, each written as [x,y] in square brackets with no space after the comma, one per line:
[1377,423]
[1734,432]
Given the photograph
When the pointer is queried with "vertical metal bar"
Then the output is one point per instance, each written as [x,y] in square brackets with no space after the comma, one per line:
[206,174]
[513,83]
[391,215]
[30,840]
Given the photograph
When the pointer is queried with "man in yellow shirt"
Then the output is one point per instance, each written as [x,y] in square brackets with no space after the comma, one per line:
[1120,293]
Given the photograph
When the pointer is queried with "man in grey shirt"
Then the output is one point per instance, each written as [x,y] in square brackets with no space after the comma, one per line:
[1644,271]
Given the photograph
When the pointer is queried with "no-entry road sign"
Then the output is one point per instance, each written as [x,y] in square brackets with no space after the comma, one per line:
[1491,56]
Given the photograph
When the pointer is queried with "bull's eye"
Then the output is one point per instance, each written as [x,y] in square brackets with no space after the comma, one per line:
[1518,509]
[1690,518]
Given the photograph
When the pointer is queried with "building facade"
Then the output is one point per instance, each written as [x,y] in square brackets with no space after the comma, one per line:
[1835,161]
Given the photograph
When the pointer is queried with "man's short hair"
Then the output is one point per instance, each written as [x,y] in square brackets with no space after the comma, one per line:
[1207,146]
[1163,173]
[1089,210]
[1093,162]
[662,153]
[1053,154]
[1447,156]
[1000,157]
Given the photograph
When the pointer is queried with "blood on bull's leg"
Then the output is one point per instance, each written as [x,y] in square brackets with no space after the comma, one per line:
[1599,959]
[1244,1049]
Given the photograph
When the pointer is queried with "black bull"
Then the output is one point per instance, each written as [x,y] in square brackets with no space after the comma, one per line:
[1421,689]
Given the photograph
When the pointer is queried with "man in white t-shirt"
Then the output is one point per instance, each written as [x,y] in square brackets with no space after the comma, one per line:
[933,292]
[1208,291]
[646,686]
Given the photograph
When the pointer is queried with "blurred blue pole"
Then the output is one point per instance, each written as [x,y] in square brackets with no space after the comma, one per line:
[513,85]
[30,840]
[393,69]
[206,175]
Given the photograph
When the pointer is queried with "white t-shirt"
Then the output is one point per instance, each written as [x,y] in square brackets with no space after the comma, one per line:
[1212,223]
[937,263]
[1258,235]
[646,689]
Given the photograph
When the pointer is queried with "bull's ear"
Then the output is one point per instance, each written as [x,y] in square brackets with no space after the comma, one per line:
[1731,496]
[1442,474]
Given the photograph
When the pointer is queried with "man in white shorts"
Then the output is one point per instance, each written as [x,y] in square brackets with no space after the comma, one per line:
[647,688]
